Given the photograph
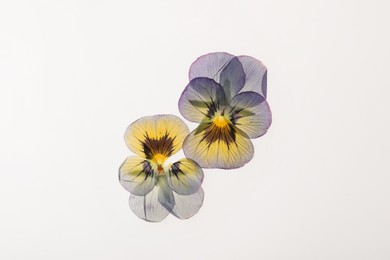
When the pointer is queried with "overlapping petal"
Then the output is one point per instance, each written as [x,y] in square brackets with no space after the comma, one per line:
[137,176]
[185,177]
[209,65]
[222,67]
[232,78]
[160,134]
[165,196]
[255,75]
[157,204]
[212,65]
[250,113]
[230,148]
[201,99]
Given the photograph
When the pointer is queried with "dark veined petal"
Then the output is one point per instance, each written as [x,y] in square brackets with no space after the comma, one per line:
[201,99]
[187,206]
[232,78]
[160,135]
[137,176]
[185,177]
[210,65]
[218,147]
[250,113]
[256,75]
[148,207]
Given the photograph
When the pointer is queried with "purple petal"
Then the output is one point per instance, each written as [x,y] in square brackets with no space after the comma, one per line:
[232,78]
[200,99]
[256,75]
[209,65]
[250,113]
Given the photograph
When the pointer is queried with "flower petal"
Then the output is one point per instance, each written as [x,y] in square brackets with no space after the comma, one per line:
[185,177]
[201,99]
[148,207]
[209,65]
[165,194]
[187,206]
[225,149]
[256,75]
[160,134]
[137,176]
[232,78]
[250,113]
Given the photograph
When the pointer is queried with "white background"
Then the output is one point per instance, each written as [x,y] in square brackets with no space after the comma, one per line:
[74,74]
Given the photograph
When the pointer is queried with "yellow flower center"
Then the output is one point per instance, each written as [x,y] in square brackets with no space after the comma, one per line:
[220,121]
[159,159]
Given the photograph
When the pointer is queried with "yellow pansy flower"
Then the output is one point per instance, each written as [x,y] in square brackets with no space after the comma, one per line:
[158,188]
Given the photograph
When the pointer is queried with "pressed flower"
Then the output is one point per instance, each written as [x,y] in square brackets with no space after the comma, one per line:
[157,188]
[226,95]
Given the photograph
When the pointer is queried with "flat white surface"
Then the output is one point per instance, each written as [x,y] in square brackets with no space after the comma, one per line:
[74,74]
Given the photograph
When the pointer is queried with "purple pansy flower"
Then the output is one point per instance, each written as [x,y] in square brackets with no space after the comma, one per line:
[226,95]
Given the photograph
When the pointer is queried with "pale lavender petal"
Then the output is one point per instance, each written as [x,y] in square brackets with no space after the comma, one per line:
[187,206]
[148,207]
[256,75]
[200,99]
[250,112]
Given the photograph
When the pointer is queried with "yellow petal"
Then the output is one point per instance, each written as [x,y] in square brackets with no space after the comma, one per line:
[156,137]
[213,147]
